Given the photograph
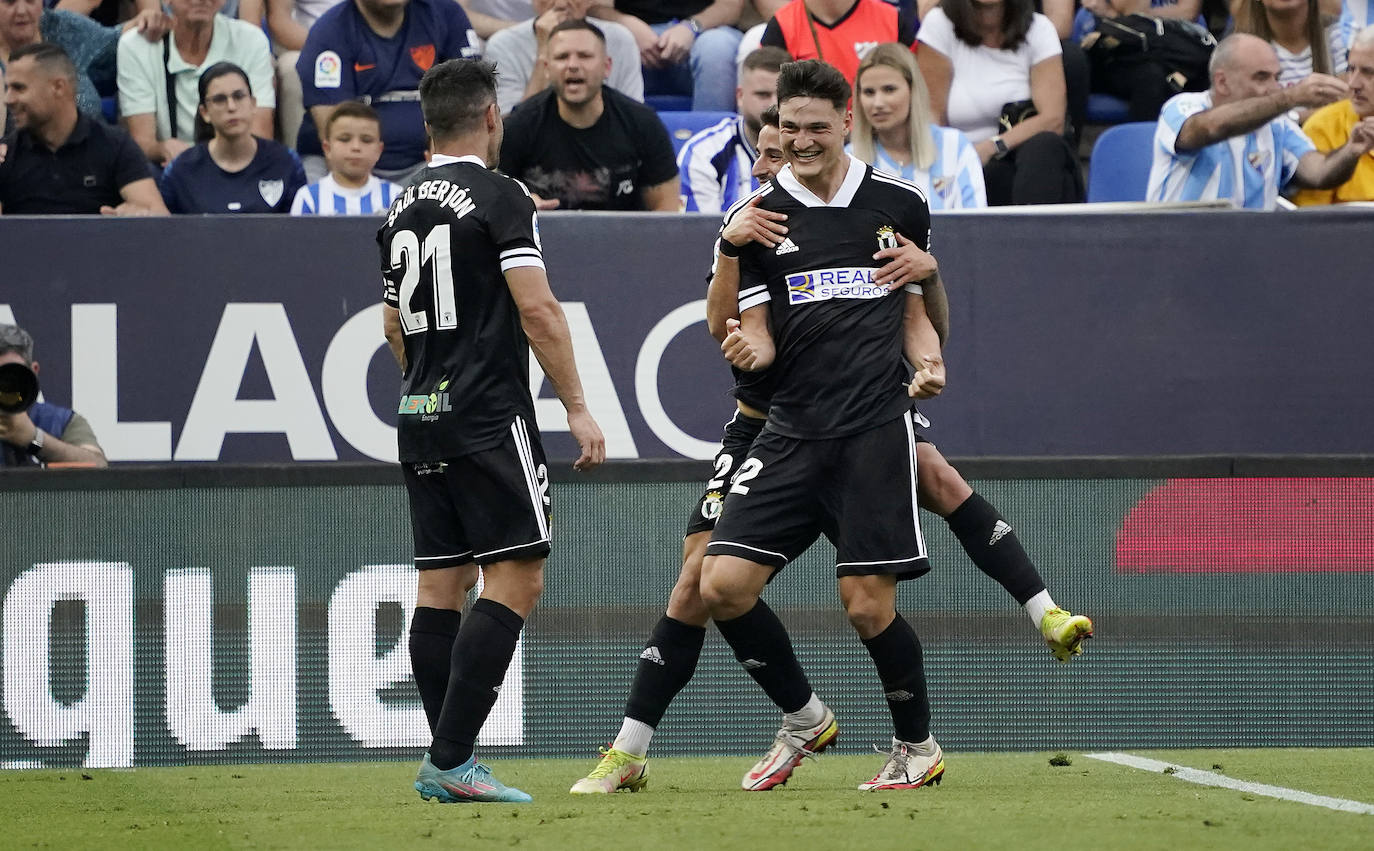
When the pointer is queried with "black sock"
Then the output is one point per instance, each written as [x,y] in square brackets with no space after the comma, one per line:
[896,652]
[431,650]
[761,645]
[667,663]
[988,539]
[481,654]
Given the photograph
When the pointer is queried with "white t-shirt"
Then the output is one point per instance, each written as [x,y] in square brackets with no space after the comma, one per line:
[985,79]
[307,12]
[143,80]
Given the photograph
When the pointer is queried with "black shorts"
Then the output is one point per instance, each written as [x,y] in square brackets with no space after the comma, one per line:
[739,435]
[487,506]
[859,491]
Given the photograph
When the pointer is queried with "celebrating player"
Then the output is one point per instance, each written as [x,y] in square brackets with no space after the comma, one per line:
[466,298]
[673,648]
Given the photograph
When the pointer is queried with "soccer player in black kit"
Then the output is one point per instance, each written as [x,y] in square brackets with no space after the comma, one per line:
[838,454]
[673,648]
[466,298]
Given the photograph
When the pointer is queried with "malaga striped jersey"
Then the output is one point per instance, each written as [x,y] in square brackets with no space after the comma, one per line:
[1246,170]
[715,165]
[328,198]
[1355,16]
[953,182]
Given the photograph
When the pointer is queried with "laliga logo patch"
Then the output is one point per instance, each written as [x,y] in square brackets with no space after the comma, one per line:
[887,237]
[328,70]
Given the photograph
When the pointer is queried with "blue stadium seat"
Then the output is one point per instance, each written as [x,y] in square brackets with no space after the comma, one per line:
[110,107]
[1107,109]
[1120,166]
[669,103]
[683,125]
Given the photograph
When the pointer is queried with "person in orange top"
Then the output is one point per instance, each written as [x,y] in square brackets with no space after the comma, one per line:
[1329,127]
[839,32]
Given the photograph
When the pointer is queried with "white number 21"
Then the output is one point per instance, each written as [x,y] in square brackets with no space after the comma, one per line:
[406,254]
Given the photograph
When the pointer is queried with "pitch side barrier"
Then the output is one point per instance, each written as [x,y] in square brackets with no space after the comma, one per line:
[1075,333]
[167,615]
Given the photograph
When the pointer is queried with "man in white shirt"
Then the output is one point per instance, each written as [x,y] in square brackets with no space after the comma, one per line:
[1235,141]
[199,38]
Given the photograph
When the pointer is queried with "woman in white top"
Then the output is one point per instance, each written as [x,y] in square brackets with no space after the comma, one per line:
[979,56]
[1294,27]
[894,132]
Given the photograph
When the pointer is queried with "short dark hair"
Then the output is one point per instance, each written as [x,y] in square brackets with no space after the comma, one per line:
[770,117]
[1017,16]
[204,132]
[351,109]
[454,95]
[53,59]
[812,78]
[766,58]
[16,339]
[579,24]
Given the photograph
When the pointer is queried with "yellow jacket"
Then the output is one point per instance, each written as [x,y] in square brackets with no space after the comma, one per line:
[1329,128]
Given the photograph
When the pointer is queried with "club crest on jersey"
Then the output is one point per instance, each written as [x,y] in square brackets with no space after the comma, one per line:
[887,237]
[711,505]
[271,191]
[423,56]
[427,406]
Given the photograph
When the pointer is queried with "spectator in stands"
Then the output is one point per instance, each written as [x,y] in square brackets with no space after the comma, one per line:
[45,433]
[582,146]
[352,145]
[288,21]
[990,63]
[90,45]
[1330,127]
[521,53]
[894,132]
[58,160]
[687,47]
[158,83]
[377,51]
[105,12]
[1200,134]
[716,165]
[835,31]
[231,170]
[1294,28]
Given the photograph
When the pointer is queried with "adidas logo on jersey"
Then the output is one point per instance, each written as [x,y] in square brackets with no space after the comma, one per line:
[651,654]
[753,664]
[999,531]
[787,246]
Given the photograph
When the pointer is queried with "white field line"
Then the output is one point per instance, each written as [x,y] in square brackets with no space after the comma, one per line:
[1211,778]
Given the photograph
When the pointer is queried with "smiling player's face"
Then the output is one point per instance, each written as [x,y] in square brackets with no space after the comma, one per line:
[813,133]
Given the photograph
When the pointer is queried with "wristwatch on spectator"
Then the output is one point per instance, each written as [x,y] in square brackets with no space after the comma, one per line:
[1001,146]
[36,445]
[693,26]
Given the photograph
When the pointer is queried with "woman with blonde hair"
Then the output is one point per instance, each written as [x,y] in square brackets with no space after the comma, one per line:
[894,132]
[1295,28]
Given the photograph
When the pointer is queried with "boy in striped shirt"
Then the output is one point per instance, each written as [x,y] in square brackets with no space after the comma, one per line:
[352,145]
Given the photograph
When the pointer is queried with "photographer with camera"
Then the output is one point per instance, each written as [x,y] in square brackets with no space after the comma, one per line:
[33,432]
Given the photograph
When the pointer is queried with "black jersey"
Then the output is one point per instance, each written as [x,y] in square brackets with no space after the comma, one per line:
[838,368]
[448,240]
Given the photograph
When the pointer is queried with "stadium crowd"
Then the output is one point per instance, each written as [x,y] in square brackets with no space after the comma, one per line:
[311,107]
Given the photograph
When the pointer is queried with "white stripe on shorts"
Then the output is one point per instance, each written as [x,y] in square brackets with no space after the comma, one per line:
[522,448]
[915,502]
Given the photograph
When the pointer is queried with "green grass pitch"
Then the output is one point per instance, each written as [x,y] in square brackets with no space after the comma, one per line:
[1015,801]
